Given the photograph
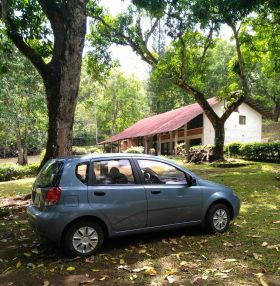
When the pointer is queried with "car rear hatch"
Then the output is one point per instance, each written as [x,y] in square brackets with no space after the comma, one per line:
[46,191]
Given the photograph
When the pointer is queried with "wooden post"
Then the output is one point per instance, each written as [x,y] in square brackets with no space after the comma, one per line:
[171,141]
[145,145]
[119,150]
[186,137]
[176,142]
[159,144]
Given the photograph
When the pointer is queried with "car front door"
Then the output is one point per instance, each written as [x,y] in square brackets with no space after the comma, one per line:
[117,195]
[170,198]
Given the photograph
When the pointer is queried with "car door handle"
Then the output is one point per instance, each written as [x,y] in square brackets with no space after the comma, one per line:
[155,192]
[99,193]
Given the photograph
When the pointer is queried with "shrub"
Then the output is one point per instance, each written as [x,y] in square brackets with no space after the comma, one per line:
[13,172]
[77,150]
[232,149]
[266,152]
[80,150]
[135,149]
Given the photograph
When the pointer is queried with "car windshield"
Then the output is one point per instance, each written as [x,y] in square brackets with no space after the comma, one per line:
[50,174]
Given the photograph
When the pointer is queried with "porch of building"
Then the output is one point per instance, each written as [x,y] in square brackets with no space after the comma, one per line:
[165,143]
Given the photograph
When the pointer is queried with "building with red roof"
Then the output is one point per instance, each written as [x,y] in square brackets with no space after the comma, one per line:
[189,124]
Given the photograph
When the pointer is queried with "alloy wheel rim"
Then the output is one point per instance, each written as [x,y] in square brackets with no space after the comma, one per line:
[85,239]
[220,219]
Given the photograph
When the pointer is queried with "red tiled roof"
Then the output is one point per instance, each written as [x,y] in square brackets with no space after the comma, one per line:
[164,122]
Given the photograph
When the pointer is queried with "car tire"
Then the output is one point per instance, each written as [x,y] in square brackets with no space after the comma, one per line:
[217,219]
[83,238]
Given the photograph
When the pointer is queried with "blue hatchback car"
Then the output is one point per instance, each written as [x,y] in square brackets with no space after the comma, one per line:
[78,201]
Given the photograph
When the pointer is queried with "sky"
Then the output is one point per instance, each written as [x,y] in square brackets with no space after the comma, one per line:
[129,61]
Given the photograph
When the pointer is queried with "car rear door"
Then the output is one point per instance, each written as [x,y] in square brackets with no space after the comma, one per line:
[170,198]
[117,193]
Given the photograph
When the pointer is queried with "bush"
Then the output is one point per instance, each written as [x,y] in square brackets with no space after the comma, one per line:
[135,149]
[232,149]
[264,152]
[77,150]
[10,172]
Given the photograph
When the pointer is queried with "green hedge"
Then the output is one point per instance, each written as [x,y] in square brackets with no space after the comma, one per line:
[232,149]
[10,172]
[83,150]
[264,152]
[80,150]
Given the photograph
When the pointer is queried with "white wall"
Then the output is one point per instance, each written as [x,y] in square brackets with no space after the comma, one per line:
[251,132]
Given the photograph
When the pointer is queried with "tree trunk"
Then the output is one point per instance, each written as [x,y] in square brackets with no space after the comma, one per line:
[22,154]
[276,111]
[219,141]
[95,119]
[115,116]
[61,110]
[217,122]
[62,84]
[61,75]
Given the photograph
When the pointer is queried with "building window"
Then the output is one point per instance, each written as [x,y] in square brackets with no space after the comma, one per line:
[195,142]
[242,120]
[197,122]
[165,148]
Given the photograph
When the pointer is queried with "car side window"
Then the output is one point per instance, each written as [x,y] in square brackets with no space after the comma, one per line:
[155,172]
[113,172]
[82,172]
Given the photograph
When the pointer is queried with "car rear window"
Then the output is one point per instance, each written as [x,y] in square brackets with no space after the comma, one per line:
[50,174]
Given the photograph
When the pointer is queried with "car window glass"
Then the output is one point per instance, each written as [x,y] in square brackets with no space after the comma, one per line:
[49,176]
[82,172]
[116,172]
[160,173]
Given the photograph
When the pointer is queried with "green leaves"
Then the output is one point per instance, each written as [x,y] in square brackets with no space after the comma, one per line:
[22,107]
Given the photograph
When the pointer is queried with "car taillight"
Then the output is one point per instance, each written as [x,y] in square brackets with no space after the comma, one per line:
[53,196]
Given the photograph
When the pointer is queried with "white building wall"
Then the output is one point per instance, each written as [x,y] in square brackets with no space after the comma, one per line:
[235,132]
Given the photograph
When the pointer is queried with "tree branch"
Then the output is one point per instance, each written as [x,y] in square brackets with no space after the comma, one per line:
[207,45]
[242,76]
[148,35]
[234,105]
[145,55]
[201,100]
[18,40]
[56,15]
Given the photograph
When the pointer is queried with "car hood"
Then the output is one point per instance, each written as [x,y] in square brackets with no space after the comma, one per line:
[207,183]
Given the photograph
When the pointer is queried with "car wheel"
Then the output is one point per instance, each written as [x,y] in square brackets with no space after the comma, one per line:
[83,238]
[218,218]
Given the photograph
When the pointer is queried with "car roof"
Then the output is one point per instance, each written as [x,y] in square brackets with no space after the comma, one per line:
[109,155]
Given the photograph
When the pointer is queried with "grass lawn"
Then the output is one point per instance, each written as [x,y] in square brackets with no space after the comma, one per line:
[17,187]
[249,254]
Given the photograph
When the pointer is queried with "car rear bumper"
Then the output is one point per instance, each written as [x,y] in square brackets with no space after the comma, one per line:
[45,223]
